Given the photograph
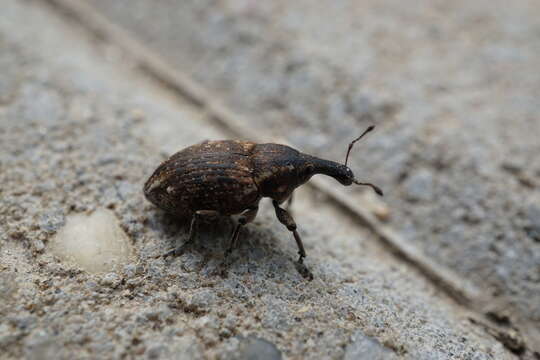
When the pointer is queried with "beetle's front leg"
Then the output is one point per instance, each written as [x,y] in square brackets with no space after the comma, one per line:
[286,219]
[246,217]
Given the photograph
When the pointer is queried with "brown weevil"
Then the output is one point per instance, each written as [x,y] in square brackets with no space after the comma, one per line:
[230,177]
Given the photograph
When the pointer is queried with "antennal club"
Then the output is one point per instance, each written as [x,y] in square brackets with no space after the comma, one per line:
[375,188]
[355,140]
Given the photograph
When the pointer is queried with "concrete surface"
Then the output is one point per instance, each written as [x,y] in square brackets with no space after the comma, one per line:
[453,89]
[81,128]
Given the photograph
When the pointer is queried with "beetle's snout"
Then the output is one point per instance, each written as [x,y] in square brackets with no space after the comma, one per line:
[342,173]
[338,171]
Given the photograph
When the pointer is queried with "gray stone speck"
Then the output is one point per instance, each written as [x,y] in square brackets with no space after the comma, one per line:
[203,300]
[111,280]
[38,245]
[475,214]
[24,322]
[7,335]
[364,347]
[186,348]
[276,315]
[154,351]
[8,286]
[41,346]
[253,348]
[130,270]
[533,217]
[52,221]
[428,355]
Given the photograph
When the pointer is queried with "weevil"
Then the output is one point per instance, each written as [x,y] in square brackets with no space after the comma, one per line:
[230,177]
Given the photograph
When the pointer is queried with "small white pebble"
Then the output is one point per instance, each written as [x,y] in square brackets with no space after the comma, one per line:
[94,242]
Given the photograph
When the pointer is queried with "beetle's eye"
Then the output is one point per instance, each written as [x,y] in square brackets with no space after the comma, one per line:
[307,172]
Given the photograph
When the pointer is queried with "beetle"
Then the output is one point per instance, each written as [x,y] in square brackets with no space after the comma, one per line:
[230,177]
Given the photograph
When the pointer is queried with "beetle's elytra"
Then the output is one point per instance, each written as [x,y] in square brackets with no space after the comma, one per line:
[230,177]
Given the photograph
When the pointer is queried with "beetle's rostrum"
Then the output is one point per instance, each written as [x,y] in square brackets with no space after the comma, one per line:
[230,177]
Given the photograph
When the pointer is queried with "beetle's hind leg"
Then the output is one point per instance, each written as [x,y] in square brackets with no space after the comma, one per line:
[286,219]
[192,232]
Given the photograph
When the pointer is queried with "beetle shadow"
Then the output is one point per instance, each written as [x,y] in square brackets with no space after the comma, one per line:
[260,250]
[212,233]
[258,247]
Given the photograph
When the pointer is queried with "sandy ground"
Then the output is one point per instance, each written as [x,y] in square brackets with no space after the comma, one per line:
[81,128]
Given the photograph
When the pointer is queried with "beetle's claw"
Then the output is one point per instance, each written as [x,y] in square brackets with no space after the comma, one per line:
[303,270]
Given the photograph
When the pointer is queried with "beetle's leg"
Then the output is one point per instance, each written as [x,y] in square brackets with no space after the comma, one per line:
[286,219]
[192,230]
[246,217]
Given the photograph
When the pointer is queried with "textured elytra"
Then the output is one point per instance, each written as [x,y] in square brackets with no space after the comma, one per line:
[214,175]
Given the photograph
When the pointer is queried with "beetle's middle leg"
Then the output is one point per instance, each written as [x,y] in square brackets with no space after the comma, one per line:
[246,217]
[192,232]
[286,219]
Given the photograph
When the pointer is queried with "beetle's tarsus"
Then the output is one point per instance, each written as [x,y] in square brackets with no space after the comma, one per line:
[223,268]
[303,270]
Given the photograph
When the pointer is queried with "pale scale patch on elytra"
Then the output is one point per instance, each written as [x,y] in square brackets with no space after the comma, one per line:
[156,182]
[264,175]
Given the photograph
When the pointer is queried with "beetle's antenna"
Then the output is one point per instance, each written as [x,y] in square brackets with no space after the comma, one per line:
[355,140]
[375,188]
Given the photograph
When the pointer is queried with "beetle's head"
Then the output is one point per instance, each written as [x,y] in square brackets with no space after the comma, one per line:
[280,169]
[340,172]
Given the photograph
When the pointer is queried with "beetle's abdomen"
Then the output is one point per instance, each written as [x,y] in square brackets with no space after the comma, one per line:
[214,175]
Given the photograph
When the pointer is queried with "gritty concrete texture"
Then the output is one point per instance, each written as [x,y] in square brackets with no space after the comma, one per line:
[252,348]
[364,347]
[452,86]
[81,129]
